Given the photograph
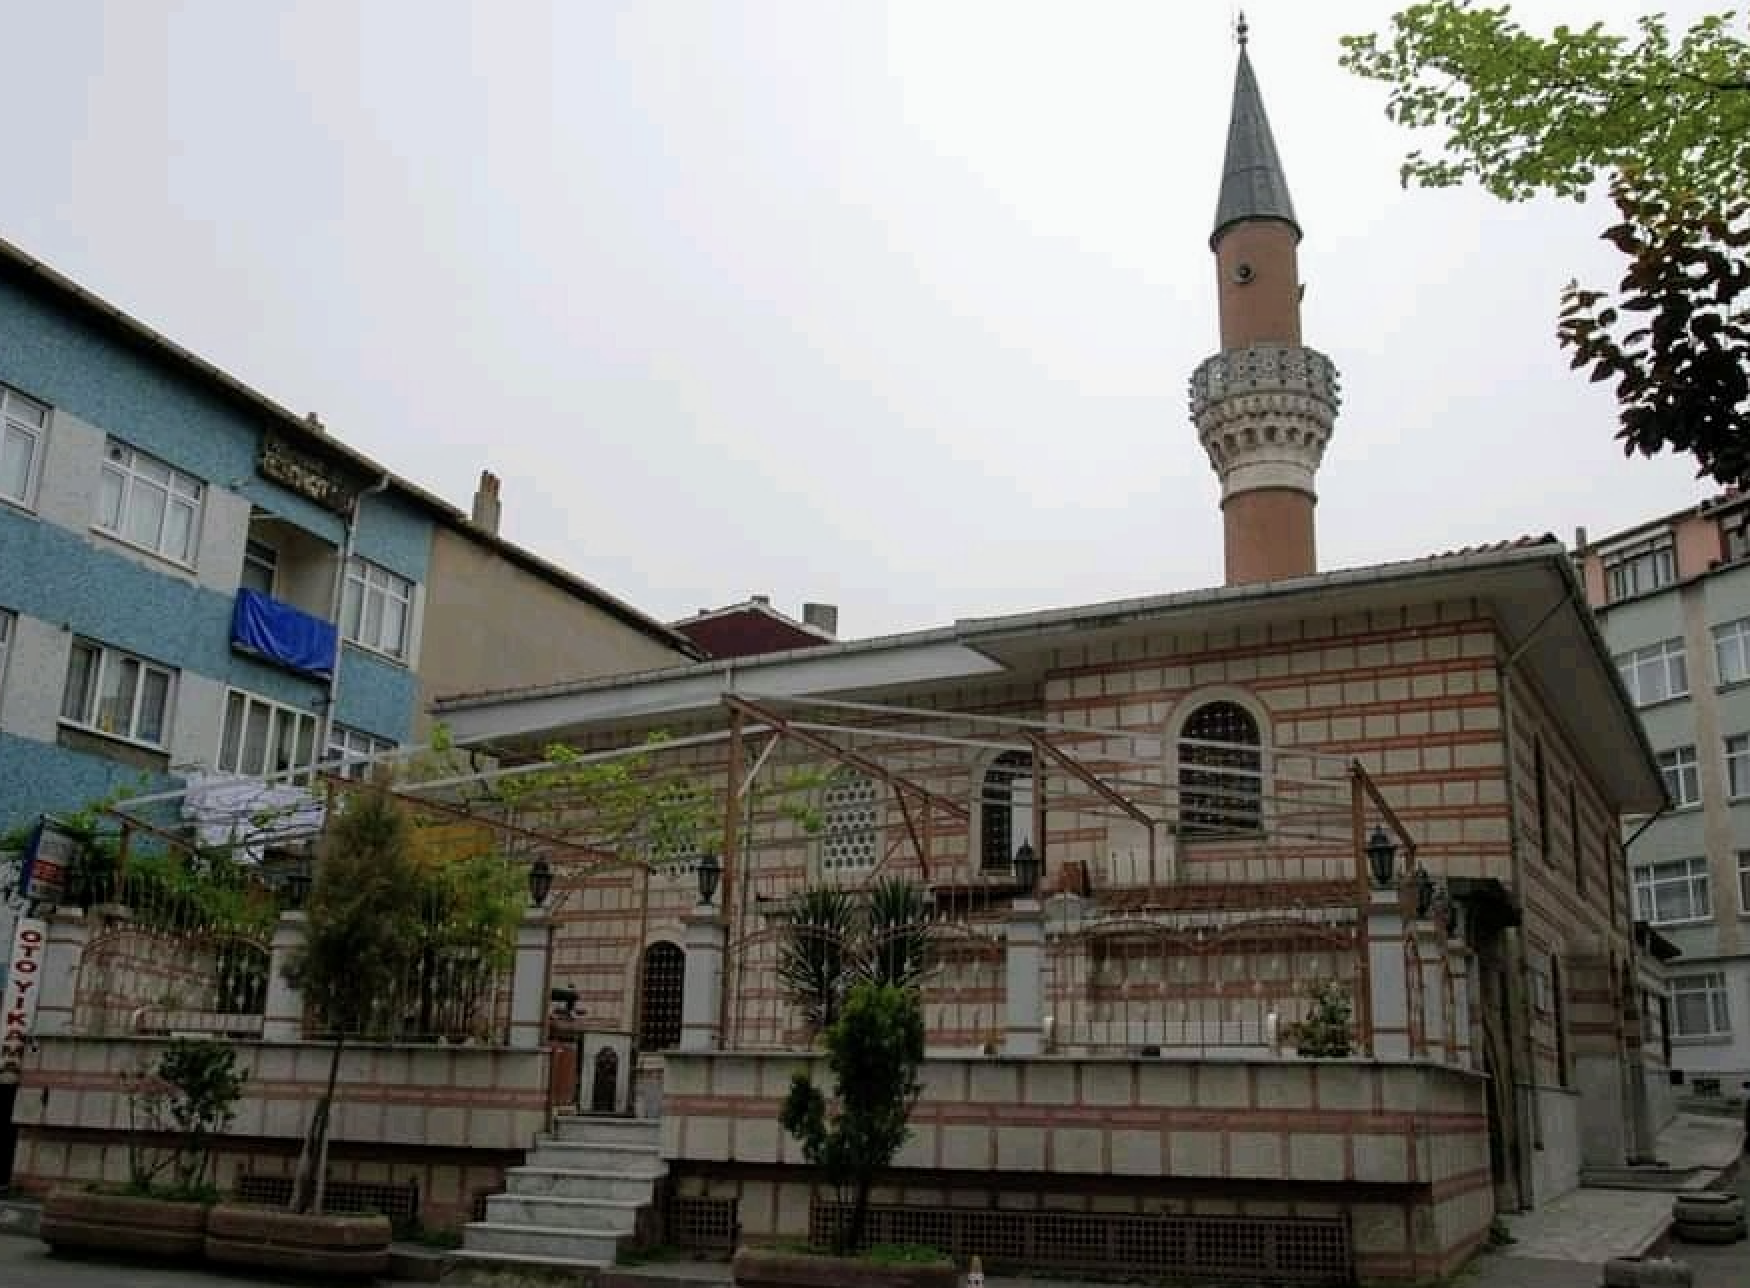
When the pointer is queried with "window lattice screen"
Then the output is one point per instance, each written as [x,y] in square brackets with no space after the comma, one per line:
[848,828]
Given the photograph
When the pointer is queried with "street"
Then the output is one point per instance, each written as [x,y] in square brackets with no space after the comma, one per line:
[27,1262]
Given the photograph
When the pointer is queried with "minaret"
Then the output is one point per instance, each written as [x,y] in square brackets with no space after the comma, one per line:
[1265,404]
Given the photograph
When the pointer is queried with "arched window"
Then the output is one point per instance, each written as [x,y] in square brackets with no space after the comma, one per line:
[1005,809]
[665,971]
[1221,771]
[849,830]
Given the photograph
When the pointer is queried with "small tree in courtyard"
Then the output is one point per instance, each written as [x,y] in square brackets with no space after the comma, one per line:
[362,942]
[874,1048]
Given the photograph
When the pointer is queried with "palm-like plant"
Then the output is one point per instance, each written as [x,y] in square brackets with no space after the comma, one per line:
[896,939]
[834,939]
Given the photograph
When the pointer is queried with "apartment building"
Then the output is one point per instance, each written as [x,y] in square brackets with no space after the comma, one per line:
[1673,595]
[195,580]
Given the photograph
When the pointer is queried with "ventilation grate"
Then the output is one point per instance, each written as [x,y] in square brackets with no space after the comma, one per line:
[702,1224]
[397,1201]
[1300,1250]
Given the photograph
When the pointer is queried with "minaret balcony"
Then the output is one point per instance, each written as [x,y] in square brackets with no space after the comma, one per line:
[1290,369]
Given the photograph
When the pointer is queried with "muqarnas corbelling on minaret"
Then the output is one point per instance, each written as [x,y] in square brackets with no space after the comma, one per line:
[1264,406]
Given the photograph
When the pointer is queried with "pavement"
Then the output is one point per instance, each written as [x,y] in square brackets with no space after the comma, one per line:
[1562,1244]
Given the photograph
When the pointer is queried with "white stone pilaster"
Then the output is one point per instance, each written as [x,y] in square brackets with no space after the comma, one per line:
[68,933]
[1431,967]
[702,987]
[528,981]
[1024,1033]
[1458,955]
[282,1018]
[1389,984]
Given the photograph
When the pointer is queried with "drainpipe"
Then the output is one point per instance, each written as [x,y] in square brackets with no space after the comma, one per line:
[1531,1117]
[334,603]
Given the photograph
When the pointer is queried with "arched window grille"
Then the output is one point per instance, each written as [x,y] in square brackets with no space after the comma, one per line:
[1005,811]
[665,970]
[849,830]
[1221,771]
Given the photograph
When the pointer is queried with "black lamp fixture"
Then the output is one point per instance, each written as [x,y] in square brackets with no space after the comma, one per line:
[710,872]
[1424,893]
[540,880]
[1382,857]
[1026,868]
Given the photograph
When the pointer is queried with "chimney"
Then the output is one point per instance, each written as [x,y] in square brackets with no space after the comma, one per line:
[1579,541]
[766,600]
[486,507]
[823,617]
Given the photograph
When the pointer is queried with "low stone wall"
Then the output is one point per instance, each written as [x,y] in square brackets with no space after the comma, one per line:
[1400,1148]
[452,1118]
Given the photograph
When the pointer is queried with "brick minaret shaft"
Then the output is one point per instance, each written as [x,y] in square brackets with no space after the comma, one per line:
[1264,406]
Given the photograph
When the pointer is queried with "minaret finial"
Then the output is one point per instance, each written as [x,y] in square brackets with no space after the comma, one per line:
[1241,29]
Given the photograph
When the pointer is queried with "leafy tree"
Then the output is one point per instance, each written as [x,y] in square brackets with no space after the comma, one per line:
[1667,120]
[834,938]
[362,942]
[192,1092]
[874,1048]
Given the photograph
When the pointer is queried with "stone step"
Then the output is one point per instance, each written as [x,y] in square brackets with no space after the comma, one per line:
[555,1212]
[551,1243]
[590,1156]
[502,1269]
[608,1131]
[583,1182]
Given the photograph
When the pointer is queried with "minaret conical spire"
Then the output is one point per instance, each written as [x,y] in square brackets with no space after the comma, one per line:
[1253,185]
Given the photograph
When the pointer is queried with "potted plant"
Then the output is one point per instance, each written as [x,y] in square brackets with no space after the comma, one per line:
[188,1098]
[1328,1031]
[362,944]
[874,1047]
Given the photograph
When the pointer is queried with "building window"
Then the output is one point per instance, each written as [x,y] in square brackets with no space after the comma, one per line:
[1732,651]
[22,424]
[1574,835]
[1738,765]
[115,693]
[1682,775]
[354,749]
[1735,536]
[1637,569]
[1672,892]
[146,503]
[1744,882]
[377,611]
[1005,809]
[6,627]
[260,567]
[1221,771]
[1699,1006]
[848,832]
[262,737]
[659,1019]
[1655,674]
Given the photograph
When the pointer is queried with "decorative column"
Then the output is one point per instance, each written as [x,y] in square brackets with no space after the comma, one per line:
[1431,970]
[528,981]
[702,985]
[68,933]
[1025,1031]
[1458,957]
[1390,982]
[282,1019]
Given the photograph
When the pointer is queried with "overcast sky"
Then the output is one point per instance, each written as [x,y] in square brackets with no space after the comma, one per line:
[888,305]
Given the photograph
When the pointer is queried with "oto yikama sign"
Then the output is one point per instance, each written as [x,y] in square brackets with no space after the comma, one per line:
[23,982]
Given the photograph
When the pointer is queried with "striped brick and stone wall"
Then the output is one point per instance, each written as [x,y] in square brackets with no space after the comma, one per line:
[1400,1151]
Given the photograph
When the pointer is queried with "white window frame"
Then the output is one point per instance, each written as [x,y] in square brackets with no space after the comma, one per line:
[229,758]
[90,715]
[1744,883]
[23,419]
[1732,651]
[1737,747]
[135,475]
[1666,658]
[355,748]
[8,628]
[1689,874]
[1710,987]
[850,831]
[263,556]
[1652,562]
[1681,770]
[368,583]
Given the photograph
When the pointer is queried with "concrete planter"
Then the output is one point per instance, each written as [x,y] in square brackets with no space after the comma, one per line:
[761,1268]
[351,1247]
[123,1224]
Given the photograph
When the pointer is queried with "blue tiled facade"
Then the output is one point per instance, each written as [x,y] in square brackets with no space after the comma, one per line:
[69,581]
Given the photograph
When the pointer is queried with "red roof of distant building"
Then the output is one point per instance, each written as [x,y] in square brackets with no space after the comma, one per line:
[748,629]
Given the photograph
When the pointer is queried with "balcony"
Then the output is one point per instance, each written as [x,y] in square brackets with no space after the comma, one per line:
[274,631]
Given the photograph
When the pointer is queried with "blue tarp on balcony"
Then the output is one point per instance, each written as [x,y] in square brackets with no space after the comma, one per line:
[280,633]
